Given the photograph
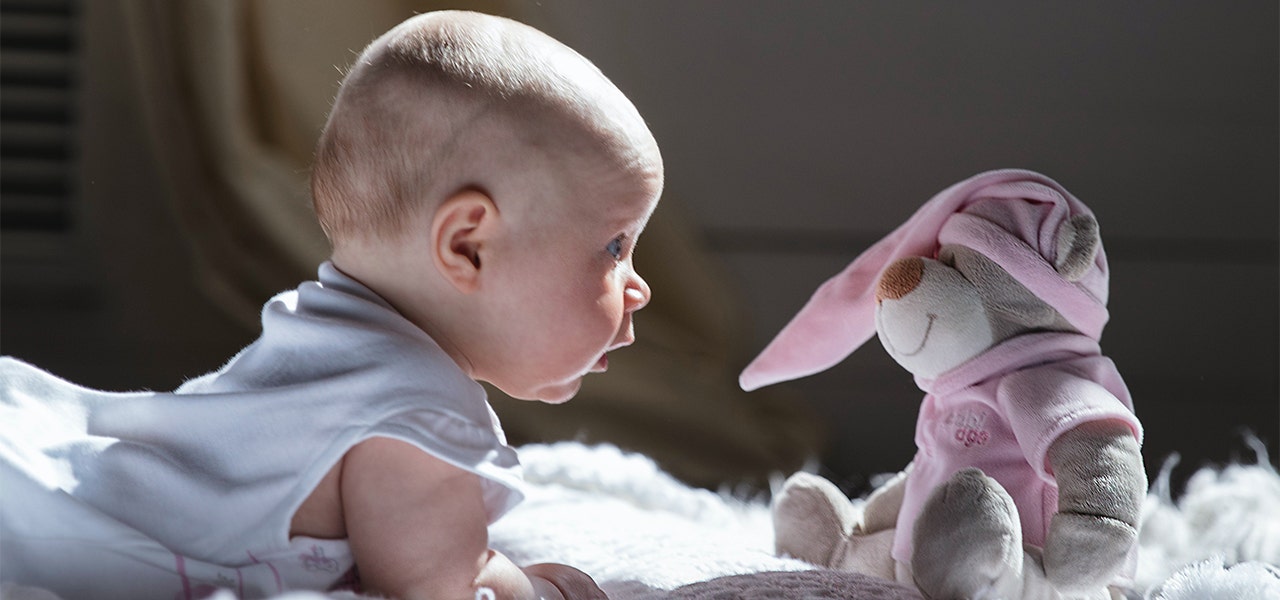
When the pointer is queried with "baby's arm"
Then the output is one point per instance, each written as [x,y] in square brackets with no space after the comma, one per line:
[418,529]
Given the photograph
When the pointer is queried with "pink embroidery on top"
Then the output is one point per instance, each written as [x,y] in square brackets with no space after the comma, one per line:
[274,572]
[181,565]
[317,561]
[969,427]
[201,591]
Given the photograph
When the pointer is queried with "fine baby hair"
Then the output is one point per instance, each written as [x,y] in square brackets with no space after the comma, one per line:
[449,99]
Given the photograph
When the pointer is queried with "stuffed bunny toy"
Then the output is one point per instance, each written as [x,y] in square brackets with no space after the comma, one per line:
[1028,480]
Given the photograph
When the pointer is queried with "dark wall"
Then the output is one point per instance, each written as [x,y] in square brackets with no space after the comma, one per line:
[796,134]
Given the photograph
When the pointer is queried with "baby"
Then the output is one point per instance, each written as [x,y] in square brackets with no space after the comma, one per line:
[483,187]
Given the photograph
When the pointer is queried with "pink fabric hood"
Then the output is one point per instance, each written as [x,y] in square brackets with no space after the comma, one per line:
[1012,216]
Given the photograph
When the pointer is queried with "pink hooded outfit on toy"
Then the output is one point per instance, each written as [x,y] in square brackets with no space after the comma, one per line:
[1001,410]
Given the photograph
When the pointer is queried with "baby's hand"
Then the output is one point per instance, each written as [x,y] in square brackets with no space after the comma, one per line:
[569,582]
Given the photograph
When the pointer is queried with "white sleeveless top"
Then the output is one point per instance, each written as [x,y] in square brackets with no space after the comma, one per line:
[200,485]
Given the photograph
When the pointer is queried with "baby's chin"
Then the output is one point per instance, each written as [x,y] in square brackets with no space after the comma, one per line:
[556,393]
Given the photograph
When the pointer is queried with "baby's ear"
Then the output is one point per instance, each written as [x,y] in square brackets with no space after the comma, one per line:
[1078,243]
[459,230]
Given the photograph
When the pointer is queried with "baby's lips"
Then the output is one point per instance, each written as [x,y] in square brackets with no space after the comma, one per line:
[626,341]
[602,365]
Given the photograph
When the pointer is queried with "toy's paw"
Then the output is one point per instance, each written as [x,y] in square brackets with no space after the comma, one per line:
[883,505]
[812,519]
[1084,552]
[968,540]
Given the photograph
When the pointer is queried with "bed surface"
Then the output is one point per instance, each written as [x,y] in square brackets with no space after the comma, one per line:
[643,535]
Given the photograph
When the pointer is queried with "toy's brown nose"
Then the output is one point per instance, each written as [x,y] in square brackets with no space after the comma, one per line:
[902,276]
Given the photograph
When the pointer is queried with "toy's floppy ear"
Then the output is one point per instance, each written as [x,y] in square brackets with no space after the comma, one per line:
[1078,243]
[836,320]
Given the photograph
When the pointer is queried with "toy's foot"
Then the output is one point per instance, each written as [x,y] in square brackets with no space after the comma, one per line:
[812,519]
[968,541]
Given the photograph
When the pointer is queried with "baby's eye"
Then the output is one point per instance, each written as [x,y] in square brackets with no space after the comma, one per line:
[615,247]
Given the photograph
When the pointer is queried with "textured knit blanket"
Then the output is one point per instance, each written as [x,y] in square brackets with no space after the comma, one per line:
[643,535]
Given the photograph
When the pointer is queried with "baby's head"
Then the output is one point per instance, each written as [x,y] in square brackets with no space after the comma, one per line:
[490,183]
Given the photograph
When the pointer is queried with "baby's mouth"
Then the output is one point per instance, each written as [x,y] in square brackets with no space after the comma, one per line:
[601,365]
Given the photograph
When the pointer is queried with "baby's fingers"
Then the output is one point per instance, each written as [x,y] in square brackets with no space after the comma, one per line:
[571,582]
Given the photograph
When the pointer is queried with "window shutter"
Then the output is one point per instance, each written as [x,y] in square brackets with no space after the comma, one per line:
[38,81]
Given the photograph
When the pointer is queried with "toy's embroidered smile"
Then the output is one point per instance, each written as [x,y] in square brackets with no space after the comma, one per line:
[923,339]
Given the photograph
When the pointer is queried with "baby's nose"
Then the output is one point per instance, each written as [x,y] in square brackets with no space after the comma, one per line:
[637,293]
[899,278]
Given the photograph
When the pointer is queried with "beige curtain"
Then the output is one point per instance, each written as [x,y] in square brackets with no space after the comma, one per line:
[232,95]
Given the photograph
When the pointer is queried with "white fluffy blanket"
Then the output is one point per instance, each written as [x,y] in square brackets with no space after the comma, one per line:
[643,535]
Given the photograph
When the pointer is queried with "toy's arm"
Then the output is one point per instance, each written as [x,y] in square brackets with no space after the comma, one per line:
[1101,485]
